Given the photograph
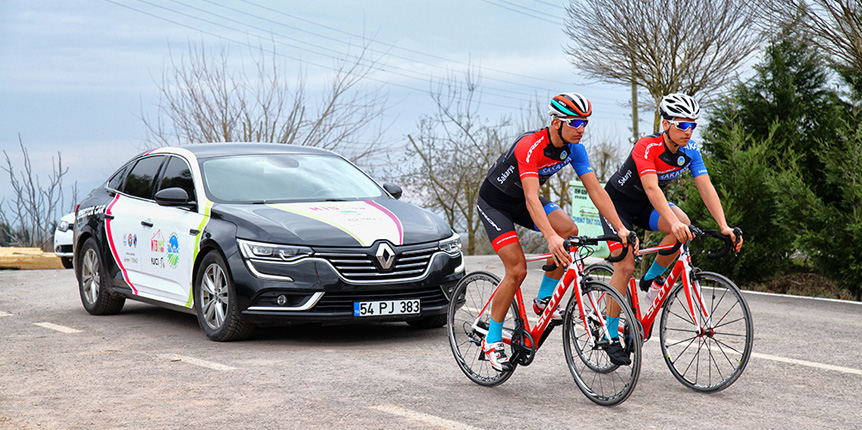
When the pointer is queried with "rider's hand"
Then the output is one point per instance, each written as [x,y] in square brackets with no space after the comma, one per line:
[681,232]
[624,233]
[555,245]
[728,231]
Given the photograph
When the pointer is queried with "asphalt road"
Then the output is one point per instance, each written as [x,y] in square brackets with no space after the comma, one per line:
[152,368]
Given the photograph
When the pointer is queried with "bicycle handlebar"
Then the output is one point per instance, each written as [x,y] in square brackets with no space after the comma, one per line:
[697,232]
[587,240]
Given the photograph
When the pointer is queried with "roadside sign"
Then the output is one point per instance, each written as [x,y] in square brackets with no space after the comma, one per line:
[587,217]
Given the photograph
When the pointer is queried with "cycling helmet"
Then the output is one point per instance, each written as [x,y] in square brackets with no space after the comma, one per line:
[569,104]
[679,105]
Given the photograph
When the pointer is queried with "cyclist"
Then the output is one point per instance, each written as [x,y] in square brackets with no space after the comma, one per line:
[636,190]
[510,195]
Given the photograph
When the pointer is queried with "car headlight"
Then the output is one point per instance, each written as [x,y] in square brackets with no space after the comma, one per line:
[64,226]
[272,251]
[451,246]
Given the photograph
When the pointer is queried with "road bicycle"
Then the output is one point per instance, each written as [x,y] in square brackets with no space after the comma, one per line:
[706,331]
[585,333]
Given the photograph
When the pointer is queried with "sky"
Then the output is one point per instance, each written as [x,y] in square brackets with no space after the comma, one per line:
[76,76]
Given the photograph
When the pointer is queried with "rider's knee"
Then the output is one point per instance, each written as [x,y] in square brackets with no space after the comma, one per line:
[518,272]
[625,268]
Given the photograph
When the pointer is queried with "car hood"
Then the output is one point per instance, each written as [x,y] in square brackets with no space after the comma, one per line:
[336,224]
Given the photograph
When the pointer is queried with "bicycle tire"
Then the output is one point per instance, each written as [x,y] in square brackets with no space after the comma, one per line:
[600,272]
[710,361]
[469,297]
[603,382]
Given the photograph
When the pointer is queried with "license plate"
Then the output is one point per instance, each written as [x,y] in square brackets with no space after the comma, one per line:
[389,307]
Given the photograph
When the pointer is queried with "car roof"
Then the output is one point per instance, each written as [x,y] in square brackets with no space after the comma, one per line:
[205,150]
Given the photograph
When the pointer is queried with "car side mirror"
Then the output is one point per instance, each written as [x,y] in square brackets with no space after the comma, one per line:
[393,189]
[174,196]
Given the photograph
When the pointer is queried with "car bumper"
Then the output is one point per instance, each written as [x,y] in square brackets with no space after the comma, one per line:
[313,291]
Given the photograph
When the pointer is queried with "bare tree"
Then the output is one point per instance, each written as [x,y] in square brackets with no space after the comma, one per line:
[664,46]
[835,24]
[449,156]
[204,99]
[29,219]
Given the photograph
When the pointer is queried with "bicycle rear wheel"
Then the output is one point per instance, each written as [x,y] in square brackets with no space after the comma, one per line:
[466,332]
[600,272]
[712,357]
[585,346]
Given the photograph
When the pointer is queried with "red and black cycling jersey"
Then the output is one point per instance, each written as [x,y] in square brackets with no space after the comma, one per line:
[527,158]
[650,155]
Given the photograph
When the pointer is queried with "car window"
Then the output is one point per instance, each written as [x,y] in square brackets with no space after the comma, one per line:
[178,174]
[116,181]
[285,177]
[139,183]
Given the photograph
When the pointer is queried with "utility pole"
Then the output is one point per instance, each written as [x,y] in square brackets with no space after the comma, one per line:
[635,132]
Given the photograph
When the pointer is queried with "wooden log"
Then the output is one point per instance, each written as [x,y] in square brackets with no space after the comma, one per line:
[28,258]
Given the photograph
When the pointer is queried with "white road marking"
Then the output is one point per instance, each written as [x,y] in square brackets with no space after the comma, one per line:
[807,363]
[5,314]
[60,328]
[425,418]
[196,362]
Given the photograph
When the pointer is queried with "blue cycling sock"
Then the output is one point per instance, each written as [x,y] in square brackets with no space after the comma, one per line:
[546,288]
[613,326]
[654,271]
[495,332]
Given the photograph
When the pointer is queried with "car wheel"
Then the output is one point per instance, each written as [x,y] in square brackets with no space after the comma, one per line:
[93,282]
[67,262]
[215,301]
[428,322]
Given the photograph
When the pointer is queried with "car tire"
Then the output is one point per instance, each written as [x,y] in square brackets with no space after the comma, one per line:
[94,282]
[215,301]
[428,322]
[67,262]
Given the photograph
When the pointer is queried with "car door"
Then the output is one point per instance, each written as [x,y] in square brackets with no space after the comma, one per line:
[174,234]
[125,231]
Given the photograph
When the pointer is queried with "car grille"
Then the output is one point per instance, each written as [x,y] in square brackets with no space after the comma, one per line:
[361,266]
[430,297]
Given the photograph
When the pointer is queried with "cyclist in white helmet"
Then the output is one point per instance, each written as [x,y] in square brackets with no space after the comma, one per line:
[510,195]
[636,189]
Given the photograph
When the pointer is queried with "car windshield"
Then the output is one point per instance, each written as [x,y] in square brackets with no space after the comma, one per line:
[268,178]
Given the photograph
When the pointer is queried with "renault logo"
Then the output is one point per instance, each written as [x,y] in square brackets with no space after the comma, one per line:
[385,256]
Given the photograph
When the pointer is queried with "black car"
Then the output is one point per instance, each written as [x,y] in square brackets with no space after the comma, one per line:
[244,234]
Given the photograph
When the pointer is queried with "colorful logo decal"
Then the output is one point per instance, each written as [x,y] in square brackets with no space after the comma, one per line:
[130,240]
[157,242]
[173,250]
[681,160]
[365,221]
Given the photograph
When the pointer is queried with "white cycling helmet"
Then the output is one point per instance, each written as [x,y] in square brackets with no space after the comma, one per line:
[570,104]
[679,105]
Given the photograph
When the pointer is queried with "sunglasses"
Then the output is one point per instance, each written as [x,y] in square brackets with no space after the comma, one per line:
[576,123]
[683,125]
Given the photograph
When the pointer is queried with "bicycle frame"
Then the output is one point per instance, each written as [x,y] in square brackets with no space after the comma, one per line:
[692,291]
[573,275]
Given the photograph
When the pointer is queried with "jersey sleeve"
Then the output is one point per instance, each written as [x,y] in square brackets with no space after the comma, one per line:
[644,155]
[697,166]
[580,160]
[527,152]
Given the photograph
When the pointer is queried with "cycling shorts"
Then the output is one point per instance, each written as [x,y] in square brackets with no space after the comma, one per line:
[500,212]
[632,212]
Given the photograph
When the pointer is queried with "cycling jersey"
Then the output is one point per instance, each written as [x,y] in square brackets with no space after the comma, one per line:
[650,155]
[527,158]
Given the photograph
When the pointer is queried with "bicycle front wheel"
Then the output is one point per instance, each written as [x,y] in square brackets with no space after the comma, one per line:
[466,328]
[712,356]
[585,345]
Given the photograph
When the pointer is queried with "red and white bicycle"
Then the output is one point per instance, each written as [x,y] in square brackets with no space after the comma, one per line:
[585,333]
[706,331]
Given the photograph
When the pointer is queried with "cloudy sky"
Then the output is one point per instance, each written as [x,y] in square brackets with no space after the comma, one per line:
[77,75]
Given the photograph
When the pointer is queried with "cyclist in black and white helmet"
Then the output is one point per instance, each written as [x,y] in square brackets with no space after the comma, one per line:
[510,195]
[636,189]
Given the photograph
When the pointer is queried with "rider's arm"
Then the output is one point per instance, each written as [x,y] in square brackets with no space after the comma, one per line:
[656,196]
[603,203]
[713,204]
[537,213]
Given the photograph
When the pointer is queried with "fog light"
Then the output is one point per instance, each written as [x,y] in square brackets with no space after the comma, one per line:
[281,300]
